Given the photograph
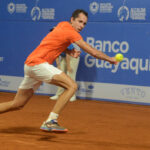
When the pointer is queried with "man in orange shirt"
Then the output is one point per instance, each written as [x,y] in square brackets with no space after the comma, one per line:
[38,68]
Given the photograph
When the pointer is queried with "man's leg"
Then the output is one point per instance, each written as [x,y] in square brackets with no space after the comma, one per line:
[63,67]
[24,93]
[60,90]
[69,89]
[74,62]
[21,98]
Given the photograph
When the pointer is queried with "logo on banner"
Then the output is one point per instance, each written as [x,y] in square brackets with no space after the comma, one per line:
[106,8]
[11,8]
[4,83]
[35,13]
[1,59]
[100,7]
[94,7]
[43,13]
[138,13]
[133,92]
[17,8]
[86,89]
[123,13]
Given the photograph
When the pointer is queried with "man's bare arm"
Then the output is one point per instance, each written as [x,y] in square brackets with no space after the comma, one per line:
[94,52]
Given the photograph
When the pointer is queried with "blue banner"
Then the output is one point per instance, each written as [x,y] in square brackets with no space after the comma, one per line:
[58,10]
[132,40]
[113,27]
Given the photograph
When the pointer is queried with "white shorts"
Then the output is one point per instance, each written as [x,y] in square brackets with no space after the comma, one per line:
[35,75]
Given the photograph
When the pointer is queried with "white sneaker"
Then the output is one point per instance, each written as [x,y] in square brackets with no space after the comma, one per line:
[72,99]
[55,97]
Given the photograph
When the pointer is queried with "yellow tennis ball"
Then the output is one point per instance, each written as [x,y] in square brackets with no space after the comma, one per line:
[119,57]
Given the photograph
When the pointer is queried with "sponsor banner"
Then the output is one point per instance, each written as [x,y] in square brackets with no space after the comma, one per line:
[113,27]
[131,40]
[25,10]
[99,10]
[119,11]
[22,38]
[115,92]
[47,89]
[11,83]
[93,90]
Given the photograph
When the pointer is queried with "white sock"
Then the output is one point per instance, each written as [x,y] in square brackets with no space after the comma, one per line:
[52,116]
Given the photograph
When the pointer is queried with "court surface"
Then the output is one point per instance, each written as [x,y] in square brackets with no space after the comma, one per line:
[93,125]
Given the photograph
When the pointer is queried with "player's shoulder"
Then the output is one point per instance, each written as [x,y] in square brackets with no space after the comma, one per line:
[64,23]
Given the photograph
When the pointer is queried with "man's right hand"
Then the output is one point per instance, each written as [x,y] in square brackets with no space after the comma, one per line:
[113,61]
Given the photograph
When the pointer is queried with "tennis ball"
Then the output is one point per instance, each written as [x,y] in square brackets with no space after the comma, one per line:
[119,57]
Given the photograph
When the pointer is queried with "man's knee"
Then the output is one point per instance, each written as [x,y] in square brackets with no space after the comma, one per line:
[15,106]
[73,86]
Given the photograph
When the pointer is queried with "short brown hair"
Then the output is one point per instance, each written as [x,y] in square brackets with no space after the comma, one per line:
[76,13]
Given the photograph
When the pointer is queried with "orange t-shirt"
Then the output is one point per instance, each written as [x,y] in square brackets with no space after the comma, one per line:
[53,44]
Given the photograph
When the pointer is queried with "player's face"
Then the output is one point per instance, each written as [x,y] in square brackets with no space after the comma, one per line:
[79,22]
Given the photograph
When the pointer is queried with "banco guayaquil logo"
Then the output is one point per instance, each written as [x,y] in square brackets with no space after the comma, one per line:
[123,13]
[94,7]
[11,8]
[35,13]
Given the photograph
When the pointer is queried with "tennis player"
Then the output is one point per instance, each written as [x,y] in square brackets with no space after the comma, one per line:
[38,68]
